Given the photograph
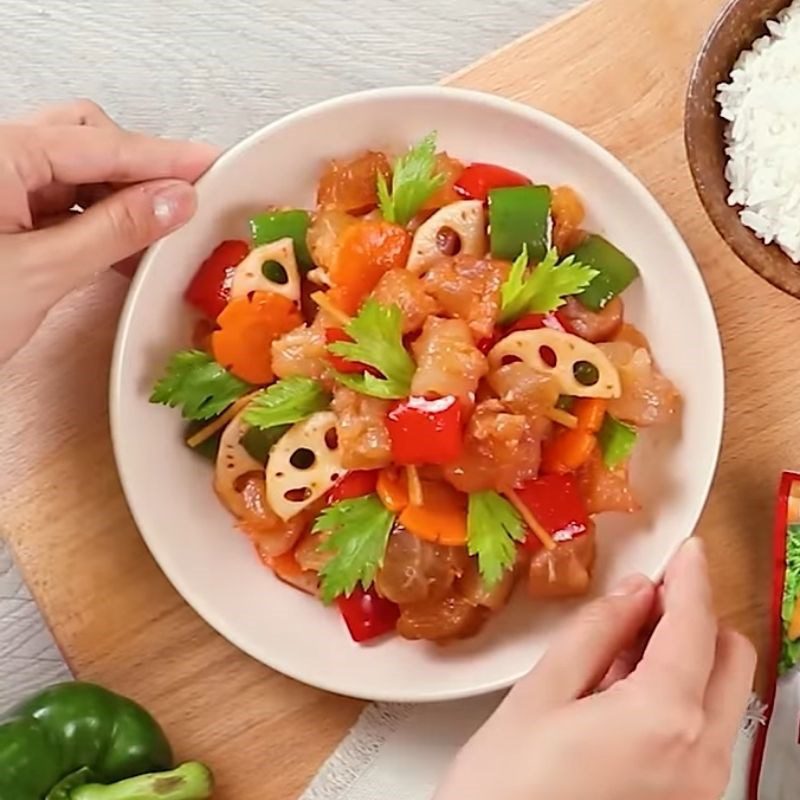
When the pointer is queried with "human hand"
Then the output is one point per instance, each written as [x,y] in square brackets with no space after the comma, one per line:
[663,718]
[134,189]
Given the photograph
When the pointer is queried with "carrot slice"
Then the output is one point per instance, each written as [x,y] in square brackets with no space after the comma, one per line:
[442,518]
[248,326]
[567,451]
[392,489]
[590,412]
[365,251]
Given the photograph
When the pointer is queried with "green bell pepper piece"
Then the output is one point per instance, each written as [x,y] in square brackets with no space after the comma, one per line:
[520,215]
[259,442]
[74,725]
[209,447]
[273,225]
[616,441]
[616,272]
[191,781]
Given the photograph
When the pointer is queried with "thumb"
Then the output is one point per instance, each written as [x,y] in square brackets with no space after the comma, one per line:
[586,647]
[118,227]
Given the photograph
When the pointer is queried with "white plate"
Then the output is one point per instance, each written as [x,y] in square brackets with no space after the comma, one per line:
[169,489]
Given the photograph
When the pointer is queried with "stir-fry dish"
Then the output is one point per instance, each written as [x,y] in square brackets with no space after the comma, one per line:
[421,393]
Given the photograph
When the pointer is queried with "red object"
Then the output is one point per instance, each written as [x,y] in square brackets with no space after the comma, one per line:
[563,320]
[531,322]
[557,504]
[341,364]
[426,431]
[368,615]
[776,624]
[210,288]
[356,483]
[477,180]
[488,342]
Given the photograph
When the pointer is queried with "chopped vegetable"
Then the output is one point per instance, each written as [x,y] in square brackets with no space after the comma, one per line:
[367,614]
[520,216]
[571,449]
[258,442]
[538,531]
[344,365]
[616,440]
[287,401]
[356,483]
[392,488]
[543,289]
[414,180]
[359,531]
[209,446]
[615,271]
[590,413]
[441,518]
[556,502]
[210,288]
[304,464]
[426,431]
[248,326]
[477,180]
[493,528]
[190,781]
[78,730]
[563,356]
[457,229]
[377,342]
[197,384]
[790,649]
[218,423]
[269,268]
[532,322]
[567,451]
[273,225]
[366,250]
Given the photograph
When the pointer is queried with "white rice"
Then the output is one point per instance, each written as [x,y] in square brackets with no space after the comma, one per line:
[762,106]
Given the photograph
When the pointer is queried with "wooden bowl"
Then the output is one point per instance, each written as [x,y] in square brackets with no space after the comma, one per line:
[738,25]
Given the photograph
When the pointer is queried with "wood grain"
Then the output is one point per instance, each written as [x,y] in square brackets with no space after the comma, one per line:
[616,75]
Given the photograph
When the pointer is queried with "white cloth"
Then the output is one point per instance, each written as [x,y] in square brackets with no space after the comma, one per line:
[400,752]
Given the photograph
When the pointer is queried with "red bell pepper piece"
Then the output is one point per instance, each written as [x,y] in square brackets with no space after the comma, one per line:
[488,342]
[367,615]
[531,322]
[341,364]
[355,483]
[477,180]
[426,431]
[556,502]
[210,288]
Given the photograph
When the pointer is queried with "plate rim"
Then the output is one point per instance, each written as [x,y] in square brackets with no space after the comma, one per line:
[536,116]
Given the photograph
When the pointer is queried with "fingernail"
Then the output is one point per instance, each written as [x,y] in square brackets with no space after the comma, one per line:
[631,585]
[173,203]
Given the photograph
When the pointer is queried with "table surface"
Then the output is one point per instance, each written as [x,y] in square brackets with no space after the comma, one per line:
[170,71]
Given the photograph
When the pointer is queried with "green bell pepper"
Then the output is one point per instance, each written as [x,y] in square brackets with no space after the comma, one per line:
[615,271]
[78,731]
[258,442]
[208,448]
[616,441]
[191,781]
[520,215]
[273,225]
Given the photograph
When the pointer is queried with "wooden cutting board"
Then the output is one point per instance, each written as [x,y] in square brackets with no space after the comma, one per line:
[616,69]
